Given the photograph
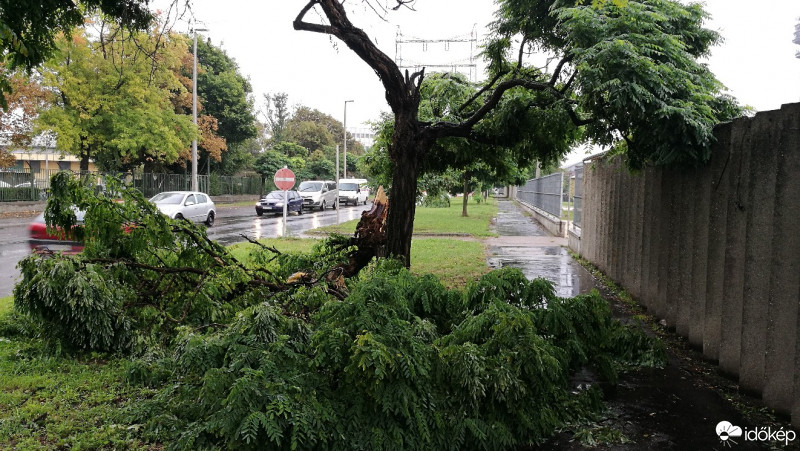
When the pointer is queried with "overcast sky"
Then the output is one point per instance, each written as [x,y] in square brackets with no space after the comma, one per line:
[756,62]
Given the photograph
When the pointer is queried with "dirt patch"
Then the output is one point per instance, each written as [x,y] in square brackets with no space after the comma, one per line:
[18,214]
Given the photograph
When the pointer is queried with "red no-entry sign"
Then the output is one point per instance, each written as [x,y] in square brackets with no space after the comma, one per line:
[284,179]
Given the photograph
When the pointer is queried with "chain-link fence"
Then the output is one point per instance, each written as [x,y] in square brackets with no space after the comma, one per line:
[544,193]
[577,198]
[27,185]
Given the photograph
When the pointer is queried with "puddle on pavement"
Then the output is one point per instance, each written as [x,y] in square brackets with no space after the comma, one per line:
[552,263]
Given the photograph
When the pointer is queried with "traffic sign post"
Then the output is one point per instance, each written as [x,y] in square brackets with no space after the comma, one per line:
[284,180]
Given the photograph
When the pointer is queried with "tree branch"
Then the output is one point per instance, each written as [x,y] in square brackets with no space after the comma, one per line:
[397,92]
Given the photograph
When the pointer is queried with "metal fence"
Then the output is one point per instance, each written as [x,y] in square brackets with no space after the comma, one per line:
[577,198]
[544,193]
[26,185]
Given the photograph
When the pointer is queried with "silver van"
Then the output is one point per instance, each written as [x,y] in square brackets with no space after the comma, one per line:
[318,194]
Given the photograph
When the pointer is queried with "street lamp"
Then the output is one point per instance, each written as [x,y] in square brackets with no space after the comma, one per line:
[345,137]
[194,110]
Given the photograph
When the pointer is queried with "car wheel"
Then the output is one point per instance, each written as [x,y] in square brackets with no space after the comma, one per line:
[322,206]
[259,212]
[210,219]
[300,210]
[179,216]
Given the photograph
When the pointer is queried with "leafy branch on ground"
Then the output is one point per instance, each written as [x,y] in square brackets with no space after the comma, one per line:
[271,351]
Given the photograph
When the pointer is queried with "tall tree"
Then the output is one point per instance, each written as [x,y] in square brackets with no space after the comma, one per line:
[112,104]
[332,125]
[29,28]
[626,71]
[277,115]
[226,94]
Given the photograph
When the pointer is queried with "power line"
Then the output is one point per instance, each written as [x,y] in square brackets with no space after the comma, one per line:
[467,63]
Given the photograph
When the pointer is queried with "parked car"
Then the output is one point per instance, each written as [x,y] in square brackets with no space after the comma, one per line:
[353,191]
[40,240]
[273,203]
[318,194]
[190,205]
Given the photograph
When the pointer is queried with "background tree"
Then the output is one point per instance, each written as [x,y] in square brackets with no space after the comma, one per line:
[277,115]
[226,95]
[29,28]
[626,71]
[333,125]
[311,135]
[16,123]
[268,163]
[112,105]
[291,149]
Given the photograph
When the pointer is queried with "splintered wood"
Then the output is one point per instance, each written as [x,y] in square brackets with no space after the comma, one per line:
[370,235]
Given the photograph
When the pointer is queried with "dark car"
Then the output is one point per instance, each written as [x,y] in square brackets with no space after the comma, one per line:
[273,203]
[41,241]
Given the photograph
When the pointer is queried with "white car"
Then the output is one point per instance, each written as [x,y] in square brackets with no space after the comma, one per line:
[318,194]
[190,205]
[353,191]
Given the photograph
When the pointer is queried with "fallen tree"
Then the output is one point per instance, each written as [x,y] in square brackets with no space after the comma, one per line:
[330,350]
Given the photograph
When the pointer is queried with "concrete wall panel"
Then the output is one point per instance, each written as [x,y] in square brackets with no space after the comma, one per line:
[720,174]
[736,236]
[760,217]
[685,219]
[697,291]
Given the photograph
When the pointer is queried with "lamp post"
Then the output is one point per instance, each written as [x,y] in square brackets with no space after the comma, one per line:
[194,110]
[345,138]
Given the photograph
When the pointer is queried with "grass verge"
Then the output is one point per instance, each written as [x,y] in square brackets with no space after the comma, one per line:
[438,221]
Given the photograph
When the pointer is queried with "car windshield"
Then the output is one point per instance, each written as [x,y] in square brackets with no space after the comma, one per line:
[348,186]
[310,186]
[274,195]
[167,198]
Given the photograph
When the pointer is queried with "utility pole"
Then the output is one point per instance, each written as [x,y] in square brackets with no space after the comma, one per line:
[345,143]
[194,110]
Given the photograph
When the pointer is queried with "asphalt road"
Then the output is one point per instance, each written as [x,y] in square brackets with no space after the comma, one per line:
[231,224]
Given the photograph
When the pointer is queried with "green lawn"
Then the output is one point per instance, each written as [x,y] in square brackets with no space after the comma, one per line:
[6,304]
[439,221]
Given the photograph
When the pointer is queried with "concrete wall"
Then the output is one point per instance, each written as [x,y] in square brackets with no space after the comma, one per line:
[714,251]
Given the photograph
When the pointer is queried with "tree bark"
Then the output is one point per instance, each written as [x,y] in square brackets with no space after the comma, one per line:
[409,144]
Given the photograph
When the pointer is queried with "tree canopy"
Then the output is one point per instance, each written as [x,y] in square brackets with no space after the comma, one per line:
[113,104]
[625,72]
[29,29]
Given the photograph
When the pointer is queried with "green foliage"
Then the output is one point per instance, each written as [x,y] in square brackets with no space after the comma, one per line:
[635,72]
[225,93]
[29,28]
[140,276]
[119,118]
[401,363]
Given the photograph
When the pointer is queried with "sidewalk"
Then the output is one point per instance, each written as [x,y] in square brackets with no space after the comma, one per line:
[677,407]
